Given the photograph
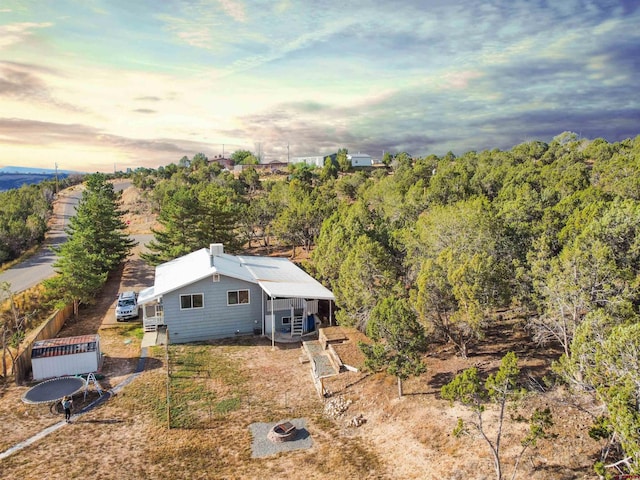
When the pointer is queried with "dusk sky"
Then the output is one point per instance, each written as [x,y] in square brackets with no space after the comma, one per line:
[97,84]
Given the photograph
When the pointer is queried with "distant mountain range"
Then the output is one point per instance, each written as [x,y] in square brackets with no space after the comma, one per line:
[35,170]
[15,177]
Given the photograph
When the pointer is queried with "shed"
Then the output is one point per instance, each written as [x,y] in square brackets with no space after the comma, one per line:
[56,357]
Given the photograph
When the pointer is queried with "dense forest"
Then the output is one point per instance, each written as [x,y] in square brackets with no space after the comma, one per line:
[550,230]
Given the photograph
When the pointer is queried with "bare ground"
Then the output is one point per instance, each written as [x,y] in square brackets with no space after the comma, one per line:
[407,438]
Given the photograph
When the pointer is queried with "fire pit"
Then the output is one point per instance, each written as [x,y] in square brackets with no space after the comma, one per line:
[282,432]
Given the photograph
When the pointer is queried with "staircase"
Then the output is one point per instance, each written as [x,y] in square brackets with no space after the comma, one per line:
[297,325]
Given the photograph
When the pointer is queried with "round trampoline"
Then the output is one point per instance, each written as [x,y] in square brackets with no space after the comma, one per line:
[54,389]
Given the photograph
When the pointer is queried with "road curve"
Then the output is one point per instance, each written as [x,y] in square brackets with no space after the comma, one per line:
[39,267]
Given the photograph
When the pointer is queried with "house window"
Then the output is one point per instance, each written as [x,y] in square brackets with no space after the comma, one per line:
[286,320]
[194,300]
[237,297]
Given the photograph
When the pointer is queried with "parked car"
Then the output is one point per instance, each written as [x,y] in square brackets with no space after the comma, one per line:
[127,306]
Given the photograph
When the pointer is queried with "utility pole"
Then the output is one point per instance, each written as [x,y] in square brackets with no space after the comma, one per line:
[56,178]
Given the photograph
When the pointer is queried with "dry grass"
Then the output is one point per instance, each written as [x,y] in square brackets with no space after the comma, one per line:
[403,438]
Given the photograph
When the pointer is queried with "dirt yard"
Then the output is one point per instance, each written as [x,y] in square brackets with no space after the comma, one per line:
[407,438]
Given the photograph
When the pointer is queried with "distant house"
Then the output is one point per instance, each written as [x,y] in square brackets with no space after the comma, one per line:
[314,160]
[360,160]
[276,166]
[209,294]
[222,161]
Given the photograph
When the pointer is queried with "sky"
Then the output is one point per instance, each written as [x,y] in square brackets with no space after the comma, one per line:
[98,85]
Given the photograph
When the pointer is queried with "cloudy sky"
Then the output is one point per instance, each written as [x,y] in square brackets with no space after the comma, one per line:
[93,84]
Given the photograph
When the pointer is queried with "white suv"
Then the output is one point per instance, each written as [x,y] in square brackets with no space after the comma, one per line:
[127,306]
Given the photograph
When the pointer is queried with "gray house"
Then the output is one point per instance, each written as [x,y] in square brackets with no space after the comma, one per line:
[209,294]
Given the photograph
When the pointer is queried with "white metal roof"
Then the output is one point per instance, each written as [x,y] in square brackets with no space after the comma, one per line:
[278,277]
[281,278]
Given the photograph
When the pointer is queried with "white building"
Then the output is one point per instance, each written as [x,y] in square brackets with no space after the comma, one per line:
[57,357]
[314,161]
[360,159]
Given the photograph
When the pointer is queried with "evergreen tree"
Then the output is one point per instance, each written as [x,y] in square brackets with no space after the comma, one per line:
[398,339]
[99,219]
[96,245]
[366,275]
[193,217]
[80,274]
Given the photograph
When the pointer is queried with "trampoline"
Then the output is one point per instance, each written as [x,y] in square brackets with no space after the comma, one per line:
[53,390]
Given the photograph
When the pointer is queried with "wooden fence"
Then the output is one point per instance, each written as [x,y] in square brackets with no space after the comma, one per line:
[49,329]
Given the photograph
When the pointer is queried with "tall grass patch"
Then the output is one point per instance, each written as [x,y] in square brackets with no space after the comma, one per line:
[205,384]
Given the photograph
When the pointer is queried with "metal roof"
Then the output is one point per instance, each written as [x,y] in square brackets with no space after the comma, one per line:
[278,277]
[281,278]
[59,342]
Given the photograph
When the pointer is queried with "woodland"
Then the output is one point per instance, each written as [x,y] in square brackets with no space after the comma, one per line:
[418,252]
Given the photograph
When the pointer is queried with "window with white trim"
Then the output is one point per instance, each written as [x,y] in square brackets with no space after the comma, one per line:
[192,300]
[286,320]
[237,297]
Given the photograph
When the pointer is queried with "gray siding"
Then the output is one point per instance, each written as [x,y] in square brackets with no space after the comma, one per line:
[216,319]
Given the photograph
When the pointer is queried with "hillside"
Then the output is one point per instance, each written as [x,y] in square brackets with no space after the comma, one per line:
[16,180]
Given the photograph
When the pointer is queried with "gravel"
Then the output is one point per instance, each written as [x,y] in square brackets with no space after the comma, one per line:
[263,447]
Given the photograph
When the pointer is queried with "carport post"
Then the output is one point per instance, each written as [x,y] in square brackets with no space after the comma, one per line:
[331,313]
[273,326]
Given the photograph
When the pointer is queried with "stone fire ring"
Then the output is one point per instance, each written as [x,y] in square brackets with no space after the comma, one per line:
[262,446]
[283,432]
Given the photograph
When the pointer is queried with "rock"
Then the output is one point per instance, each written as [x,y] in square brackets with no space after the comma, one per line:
[335,407]
[357,421]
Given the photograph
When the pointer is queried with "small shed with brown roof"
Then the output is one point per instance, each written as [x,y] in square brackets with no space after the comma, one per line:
[57,357]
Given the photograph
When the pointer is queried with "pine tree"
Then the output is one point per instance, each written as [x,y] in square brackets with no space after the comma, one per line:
[98,218]
[96,245]
[192,218]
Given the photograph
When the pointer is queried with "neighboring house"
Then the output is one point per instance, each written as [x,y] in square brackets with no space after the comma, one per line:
[222,161]
[314,161]
[209,294]
[360,160]
[273,166]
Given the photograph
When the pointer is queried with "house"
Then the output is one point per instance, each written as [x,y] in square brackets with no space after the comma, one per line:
[209,294]
[274,166]
[314,160]
[360,160]
[222,161]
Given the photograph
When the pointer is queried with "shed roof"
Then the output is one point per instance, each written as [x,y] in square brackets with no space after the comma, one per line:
[278,277]
[59,342]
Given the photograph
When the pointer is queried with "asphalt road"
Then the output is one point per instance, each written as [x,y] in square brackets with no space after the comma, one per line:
[39,267]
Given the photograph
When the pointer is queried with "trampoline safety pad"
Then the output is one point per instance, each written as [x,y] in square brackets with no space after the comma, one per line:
[53,390]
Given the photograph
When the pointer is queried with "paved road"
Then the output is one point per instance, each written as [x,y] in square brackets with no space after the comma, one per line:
[39,267]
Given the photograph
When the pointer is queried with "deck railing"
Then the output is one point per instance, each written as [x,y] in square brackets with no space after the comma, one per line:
[153,315]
